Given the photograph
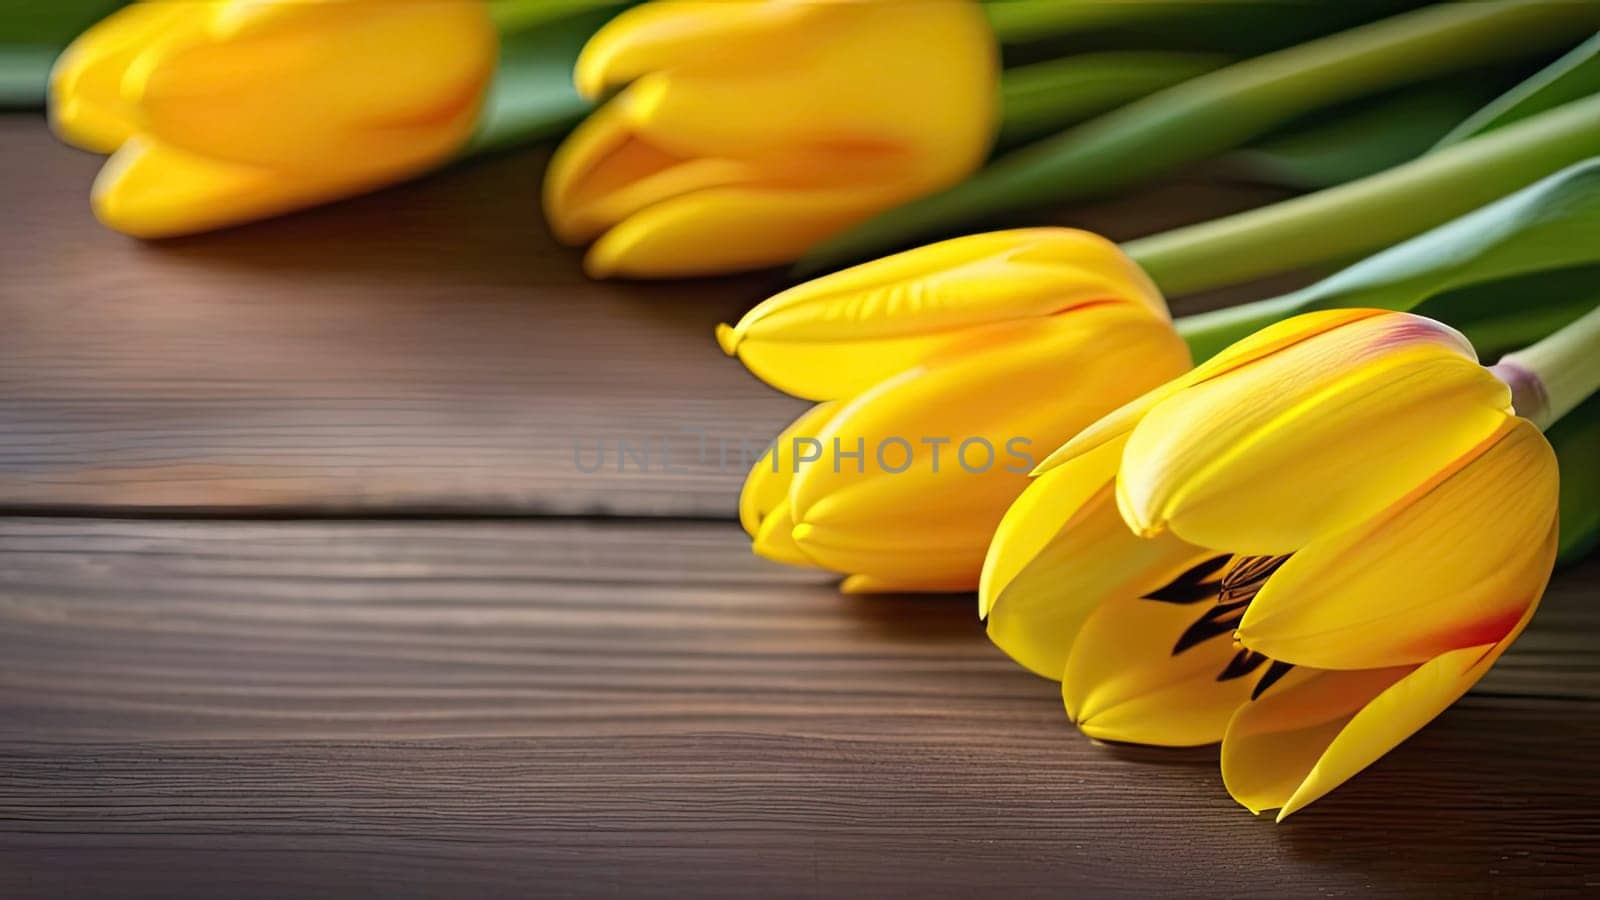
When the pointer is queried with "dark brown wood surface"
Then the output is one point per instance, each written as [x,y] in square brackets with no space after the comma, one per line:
[262,701]
[426,349]
[227,708]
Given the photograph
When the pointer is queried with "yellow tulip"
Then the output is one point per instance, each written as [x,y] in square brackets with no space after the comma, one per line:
[221,111]
[942,372]
[748,130]
[1305,548]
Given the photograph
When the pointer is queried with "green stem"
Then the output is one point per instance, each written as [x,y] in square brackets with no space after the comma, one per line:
[1020,21]
[1565,365]
[1208,332]
[1569,78]
[1361,216]
[532,96]
[1044,98]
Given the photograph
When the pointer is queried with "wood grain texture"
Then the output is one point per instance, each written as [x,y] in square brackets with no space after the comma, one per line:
[589,709]
[427,349]
[570,708]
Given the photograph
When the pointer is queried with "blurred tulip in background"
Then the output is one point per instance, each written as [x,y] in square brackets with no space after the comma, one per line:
[218,112]
[747,131]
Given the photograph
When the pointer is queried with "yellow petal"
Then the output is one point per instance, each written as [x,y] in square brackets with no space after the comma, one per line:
[1451,565]
[762,128]
[1123,680]
[153,190]
[1311,439]
[755,80]
[1398,713]
[1273,742]
[1060,552]
[774,538]
[1290,748]
[983,403]
[727,229]
[1040,517]
[946,552]
[1261,344]
[668,35]
[872,584]
[87,107]
[364,89]
[840,334]
[767,485]
[605,172]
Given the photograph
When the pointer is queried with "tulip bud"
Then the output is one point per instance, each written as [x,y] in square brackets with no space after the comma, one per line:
[946,370]
[226,111]
[747,131]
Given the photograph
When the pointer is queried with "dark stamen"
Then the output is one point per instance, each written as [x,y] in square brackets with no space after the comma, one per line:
[1218,620]
[1243,663]
[1231,582]
[1274,672]
[1248,575]
[1192,586]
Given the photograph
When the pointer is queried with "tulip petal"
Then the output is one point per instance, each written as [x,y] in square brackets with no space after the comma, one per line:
[1124,682]
[87,106]
[1060,552]
[362,87]
[763,128]
[657,36]
[1451,565]
[840,334]
[947,553]
[983,403]
[1309,440]
[1272,743]
[774,538]
[872,584]
[152,190]
[728,229]
[767,486]
[1290,748]
[1396,714]
[1040,516]
[1261,344]
[605,172]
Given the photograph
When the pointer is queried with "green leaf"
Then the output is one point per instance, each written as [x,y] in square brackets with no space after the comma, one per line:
[1371,138]
[1549,225]
[1506,275]
[1544,302]
[532,97]
[1240,27]
[1217,112]
[25,74]
[1019,21]
[1046,97]
[32,35]
[1576,439]
[1345,222]
[1574,75]
[1546,227]
[50,22]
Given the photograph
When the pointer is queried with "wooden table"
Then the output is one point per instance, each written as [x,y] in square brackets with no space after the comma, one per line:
[301,594]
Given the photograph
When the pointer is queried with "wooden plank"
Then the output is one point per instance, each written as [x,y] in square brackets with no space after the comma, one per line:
[578,709]
[426,349]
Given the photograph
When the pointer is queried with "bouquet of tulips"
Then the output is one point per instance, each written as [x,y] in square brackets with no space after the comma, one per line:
[1299,528]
